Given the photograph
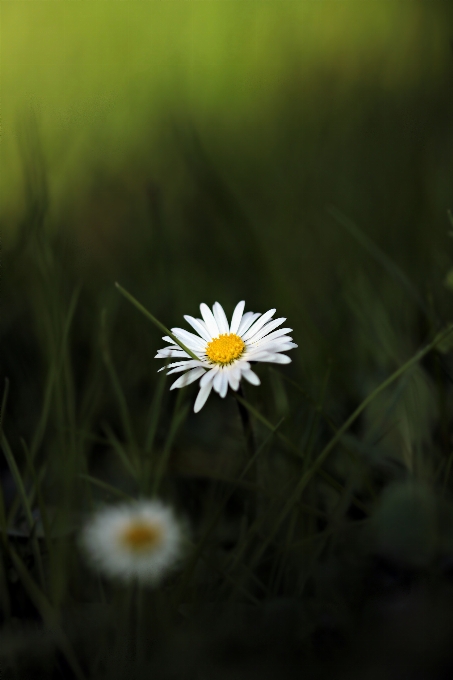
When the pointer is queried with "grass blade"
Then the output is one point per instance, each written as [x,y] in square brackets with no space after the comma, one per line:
[155,321]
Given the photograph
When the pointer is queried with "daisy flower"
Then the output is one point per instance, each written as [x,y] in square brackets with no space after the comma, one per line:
[225,351]
[139,540]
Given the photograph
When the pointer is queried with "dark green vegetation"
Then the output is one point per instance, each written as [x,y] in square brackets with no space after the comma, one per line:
[331,553]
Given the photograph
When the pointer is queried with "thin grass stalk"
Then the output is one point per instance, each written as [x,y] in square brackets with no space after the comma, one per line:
[154,413]
[42,510]
[47,612]
[26,505]
[336,438]
[190,567]
[382,258]
[318,412]
[180,414]
[132,468]
[105,486]
[119,394]
[155,321]
[328,420]
[295,451]
[40,430]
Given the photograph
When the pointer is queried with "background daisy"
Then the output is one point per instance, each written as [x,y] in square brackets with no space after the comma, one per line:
[139,540]
[225,351]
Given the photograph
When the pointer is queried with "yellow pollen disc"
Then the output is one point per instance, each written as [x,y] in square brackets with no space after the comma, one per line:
[225,349]
[140,536]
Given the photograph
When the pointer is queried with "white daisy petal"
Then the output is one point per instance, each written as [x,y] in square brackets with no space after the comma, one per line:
[209,376]
[276,334]
[220,318]
[178,369]
[190,363]
[192,341]
[187,378]
[165,353]
[199,326]
[224,385]
[234,374]
[233,380]
[217,382]
[237,316]
[202,396]
[258,324]
[211,323]
[272,346]
[241,366]
[246,322]
[284,347]
[267,329]
[251,377]
[258,355]
[278,359]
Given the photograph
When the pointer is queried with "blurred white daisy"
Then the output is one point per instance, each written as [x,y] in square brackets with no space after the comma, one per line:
[139,540]
[224,350]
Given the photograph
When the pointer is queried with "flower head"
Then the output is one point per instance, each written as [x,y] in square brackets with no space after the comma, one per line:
[140,540]
[225,351]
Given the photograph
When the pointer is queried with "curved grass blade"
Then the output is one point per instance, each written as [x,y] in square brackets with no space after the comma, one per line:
[379,256]
[155,321]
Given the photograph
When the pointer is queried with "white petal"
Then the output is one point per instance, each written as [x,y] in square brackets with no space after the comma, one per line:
[164,353]
[209,320]
[272,346]
[187,378]
[189,339]
[276,334]
[284,347]
[188,364]
[241,365]
[237,316]
[259,355]
[199,326]
[210,375]
[251,377]
[267,329]
[224,386]
[217,382]
[203,394]
[233,380]
[278,359]
[258,324]
[168,339]
[220,317]
[236,371]
[246,322]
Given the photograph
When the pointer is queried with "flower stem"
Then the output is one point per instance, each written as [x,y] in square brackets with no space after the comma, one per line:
[251,450]
[246,425]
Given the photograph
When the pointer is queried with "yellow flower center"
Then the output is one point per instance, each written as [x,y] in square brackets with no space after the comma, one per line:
[141,536]
[225,349]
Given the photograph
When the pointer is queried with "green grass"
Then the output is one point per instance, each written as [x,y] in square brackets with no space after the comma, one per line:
[104,427]
[326,543]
